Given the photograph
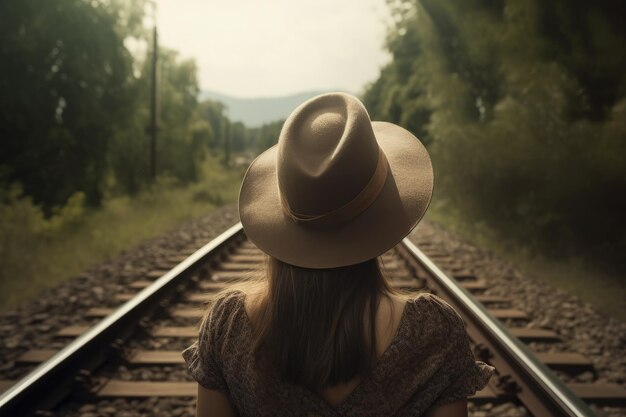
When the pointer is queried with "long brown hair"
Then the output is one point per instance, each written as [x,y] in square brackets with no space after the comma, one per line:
[317,327]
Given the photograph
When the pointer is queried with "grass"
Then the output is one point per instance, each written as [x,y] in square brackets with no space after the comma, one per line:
[35,258]
[576,275]
[36,254]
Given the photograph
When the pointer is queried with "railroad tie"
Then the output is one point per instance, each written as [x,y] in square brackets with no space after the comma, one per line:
[165,331]
[156,357]
[123,297]
[100,312]
[486,395]
[604,392]
[566,361]
[479,285]
[139,285]
[176,259]
[437,255]
[157,273]
[201,297]
[144,357]
[177,331]
[464,276]
[249,250]
[5,384]
[255,259]
[601,393]
[237,266]
[528,334]
[492,299]
[188,251]
[36,356]
[211,285]
[393,265]
[459,269]
[227,276]
[166,264]
[117,388]
[508,313]
[139,357]
[563,361]
[72,331]
[188,313]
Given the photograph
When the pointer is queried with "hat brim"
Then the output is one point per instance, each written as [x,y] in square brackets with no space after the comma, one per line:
[401,204]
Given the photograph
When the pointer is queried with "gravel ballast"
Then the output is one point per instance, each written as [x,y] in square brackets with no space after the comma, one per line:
[582,328]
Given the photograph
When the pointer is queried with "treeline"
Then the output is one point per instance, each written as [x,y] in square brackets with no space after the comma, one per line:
[75,105]
[255,139]
[522,104]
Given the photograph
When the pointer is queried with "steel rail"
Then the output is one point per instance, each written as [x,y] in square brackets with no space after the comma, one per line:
[543,394]
[54,379]
[549,397]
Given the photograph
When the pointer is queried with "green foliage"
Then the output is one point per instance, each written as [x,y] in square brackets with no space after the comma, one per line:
[235,137]
[25,231]
[37,252]
[74,118]
[265,136]
[522,106]
[64,87]
[214,113]
[17,214]
[180,148]
[183,134]
[75,104]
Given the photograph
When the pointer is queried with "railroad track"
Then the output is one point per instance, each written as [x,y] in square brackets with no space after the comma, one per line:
[117,352]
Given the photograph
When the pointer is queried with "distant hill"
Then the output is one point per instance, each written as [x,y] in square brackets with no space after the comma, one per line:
[257,111]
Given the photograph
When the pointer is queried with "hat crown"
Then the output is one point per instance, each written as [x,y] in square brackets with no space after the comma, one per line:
[327,154]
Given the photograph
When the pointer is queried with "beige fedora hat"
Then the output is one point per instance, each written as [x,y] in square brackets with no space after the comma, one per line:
[337,189]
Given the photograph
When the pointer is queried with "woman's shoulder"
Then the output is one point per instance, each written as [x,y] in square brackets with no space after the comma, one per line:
[439,343]
[224,315]
[227,300]
[219,332]
[435,315]
[431,304]
[226,303]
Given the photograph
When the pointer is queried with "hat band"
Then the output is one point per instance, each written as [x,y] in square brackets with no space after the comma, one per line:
[351,209]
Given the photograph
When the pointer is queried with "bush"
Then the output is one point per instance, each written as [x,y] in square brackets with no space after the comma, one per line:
[38,252]
[523,106]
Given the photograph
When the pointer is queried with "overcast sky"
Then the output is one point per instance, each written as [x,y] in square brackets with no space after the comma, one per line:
[255,48]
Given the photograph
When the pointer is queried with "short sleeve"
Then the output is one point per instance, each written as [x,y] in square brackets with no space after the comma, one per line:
[203,357]
[463,375]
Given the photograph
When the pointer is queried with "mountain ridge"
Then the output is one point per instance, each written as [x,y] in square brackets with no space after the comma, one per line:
[254,112]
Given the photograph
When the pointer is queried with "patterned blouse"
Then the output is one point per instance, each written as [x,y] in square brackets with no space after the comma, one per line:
[428,363]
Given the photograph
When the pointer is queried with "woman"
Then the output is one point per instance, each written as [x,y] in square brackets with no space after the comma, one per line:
[323,334]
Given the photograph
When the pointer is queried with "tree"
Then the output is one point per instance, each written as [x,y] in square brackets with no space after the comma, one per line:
[522,104]
[65,85]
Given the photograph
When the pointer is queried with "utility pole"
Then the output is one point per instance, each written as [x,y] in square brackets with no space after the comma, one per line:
[153,105]
[227,135]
